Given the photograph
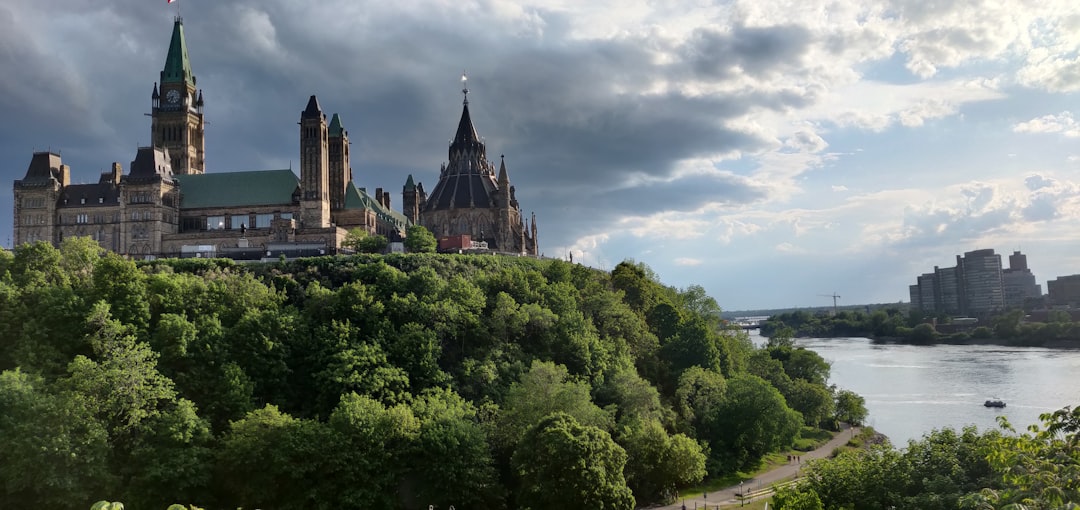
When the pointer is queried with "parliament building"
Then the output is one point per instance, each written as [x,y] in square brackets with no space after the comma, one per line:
[168,205]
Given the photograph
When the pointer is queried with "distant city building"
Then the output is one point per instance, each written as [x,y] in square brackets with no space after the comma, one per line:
[1018,282]
[983,291]
[949,291]
[976,286]
[1064,291]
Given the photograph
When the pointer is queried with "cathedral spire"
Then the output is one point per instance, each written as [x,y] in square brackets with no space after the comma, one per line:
[503,178]
[177,66]
[466,137]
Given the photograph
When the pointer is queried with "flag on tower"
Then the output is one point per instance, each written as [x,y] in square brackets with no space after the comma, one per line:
[171,1]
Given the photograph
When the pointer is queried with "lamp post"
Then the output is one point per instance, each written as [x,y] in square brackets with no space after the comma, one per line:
[742,495]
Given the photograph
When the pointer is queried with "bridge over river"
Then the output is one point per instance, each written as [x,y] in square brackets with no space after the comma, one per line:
[749,322]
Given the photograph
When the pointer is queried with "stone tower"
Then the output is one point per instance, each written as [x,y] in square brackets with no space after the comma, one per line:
[410,201]
[36,197]
[177,108]
[314,167]
[340,170]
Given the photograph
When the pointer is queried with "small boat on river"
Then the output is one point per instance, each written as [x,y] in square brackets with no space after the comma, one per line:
[994,403]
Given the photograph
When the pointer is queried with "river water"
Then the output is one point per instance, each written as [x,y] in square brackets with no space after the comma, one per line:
[911,390]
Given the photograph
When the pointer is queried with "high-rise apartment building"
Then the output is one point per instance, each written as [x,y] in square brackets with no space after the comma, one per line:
[983,291]
[976,286]
[1018,282]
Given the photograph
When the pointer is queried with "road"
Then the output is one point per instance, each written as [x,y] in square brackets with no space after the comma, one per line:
[729,496]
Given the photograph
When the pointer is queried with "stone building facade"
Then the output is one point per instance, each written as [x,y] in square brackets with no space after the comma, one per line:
[168,205]
[470,199]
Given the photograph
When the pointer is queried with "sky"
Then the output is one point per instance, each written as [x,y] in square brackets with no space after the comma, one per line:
[775,152]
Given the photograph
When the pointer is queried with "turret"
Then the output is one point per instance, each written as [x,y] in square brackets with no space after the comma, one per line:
[314,167]
[340,169]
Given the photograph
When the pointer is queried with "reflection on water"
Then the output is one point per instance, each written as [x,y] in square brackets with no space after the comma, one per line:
[911,390]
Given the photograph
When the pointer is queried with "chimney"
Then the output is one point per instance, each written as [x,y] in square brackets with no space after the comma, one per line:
[117,171]
[386,200]
[379,195]
[65,175]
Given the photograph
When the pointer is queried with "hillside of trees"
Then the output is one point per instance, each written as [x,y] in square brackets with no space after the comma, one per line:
[371,381]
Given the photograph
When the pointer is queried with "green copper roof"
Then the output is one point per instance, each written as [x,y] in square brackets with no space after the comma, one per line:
[409,184]
[235,189]
[177,67]
[358,199]
[335,126]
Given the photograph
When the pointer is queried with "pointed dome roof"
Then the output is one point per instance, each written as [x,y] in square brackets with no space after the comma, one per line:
[335,126]
[313,109]
[410,185]
[466,132]
[177,66]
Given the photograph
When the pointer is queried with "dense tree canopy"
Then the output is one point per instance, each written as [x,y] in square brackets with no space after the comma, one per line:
[374,381]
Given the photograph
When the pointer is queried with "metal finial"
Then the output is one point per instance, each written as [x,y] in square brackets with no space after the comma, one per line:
[465,86]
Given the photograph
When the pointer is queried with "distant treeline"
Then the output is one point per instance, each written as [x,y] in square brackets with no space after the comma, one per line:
[894,325]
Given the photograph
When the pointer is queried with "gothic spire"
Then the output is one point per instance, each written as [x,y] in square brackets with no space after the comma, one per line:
[313,109]
[503,178]
[177,66]
[335,126]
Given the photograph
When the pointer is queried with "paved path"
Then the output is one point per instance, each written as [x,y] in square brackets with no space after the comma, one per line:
[728,496]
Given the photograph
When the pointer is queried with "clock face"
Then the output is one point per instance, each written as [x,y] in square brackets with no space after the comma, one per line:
[173,96]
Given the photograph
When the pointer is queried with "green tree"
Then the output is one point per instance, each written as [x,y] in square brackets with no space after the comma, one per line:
[850,407]
[371,446]
[752,421]
[796,498]
[375,243]
[658,464]
[53,450]
[353,239]
[698,399]
[122,285]
[1039,469]
[269,459]
[563,464]
[923,334]
[543,390]
[451,463]
[419,239]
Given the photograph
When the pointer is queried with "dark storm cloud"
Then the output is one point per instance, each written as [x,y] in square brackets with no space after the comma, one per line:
[568,113]
[752,50]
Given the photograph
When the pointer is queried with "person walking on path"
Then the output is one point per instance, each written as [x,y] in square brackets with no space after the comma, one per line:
[730,496]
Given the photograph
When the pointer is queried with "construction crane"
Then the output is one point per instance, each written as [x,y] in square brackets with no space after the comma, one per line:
[834,297]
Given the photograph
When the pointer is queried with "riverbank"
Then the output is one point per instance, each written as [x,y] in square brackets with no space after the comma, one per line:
[896,340]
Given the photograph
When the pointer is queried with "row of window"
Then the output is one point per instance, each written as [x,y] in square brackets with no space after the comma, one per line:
[235,221]
[33,202]
[142,197]
[33,219]
[82,200]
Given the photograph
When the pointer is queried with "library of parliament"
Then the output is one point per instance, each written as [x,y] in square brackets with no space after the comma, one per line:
[168,205]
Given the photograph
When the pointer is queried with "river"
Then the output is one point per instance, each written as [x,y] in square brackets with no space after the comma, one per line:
[911,390]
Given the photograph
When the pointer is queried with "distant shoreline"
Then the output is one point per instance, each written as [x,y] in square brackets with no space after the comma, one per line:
[896,340]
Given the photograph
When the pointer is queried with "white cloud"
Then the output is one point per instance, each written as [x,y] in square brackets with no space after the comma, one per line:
[687,261]
[1062,123]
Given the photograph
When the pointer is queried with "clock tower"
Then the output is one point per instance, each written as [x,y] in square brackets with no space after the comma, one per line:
[177,123]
